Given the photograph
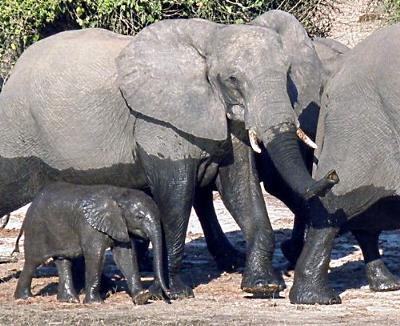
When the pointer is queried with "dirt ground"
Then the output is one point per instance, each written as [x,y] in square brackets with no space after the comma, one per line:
[219,299]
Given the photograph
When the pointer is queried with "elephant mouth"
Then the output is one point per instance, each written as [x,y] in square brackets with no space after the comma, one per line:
[300,134]
[139,233]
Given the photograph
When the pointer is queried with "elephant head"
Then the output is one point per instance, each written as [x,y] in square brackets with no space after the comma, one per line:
[193,75]
[131,212]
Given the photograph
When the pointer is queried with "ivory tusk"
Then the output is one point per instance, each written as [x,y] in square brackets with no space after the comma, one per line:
[305,139]
[254,141]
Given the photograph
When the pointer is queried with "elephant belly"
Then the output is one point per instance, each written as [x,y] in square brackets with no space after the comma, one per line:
[22,177]
[50,240]
[127,175]
[383,215]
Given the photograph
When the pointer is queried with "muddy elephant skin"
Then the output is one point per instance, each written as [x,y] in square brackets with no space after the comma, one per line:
[66,221]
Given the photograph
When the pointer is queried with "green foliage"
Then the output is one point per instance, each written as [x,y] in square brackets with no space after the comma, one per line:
[23,22]
[20,24]
[393,9]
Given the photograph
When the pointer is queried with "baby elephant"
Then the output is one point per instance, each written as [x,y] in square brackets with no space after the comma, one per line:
[66,221]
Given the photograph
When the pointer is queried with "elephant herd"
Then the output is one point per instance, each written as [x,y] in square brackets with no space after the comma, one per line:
[188,106]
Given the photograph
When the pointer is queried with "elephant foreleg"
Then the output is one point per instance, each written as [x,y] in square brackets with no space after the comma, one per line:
[226,256]
[126,260]
[241,193]
[310,285]
[66,289]
[93,251]
[172,185]
[378,276]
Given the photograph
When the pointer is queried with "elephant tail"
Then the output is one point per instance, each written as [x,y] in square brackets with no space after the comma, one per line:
[16,248]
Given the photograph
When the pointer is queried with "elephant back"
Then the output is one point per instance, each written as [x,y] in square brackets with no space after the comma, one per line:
[362,117]
[62,104]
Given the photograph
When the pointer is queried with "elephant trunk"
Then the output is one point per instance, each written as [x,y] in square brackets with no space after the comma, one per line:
[284,151]
[155,235]
[272,120]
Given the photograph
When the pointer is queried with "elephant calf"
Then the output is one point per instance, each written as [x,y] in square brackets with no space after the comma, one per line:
[66,221]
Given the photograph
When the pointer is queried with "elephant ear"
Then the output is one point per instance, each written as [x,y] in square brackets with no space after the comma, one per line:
[163,75]
[104,215]
[331,53]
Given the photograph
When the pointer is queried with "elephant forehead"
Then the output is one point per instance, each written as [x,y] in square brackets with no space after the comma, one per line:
[252,40]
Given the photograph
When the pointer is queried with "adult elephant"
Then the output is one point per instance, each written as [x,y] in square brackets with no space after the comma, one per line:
[306,79]
[151,112]
[360,137]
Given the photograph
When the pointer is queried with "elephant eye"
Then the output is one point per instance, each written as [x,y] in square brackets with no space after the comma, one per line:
[233,80]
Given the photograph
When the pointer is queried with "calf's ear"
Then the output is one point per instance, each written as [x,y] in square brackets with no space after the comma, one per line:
[104,215]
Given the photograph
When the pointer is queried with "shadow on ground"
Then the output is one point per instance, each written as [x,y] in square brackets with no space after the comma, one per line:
[200,268]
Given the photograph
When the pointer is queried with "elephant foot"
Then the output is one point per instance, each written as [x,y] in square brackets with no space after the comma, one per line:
[68,297]
[268,283]
[380,278]
[177,289]
[93,298]
[23,294]
[229,261]
[156,293]
[291,249]
[141,297]
[311,293]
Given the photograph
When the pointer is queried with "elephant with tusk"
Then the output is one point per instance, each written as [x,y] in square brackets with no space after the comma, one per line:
[308,73]
[167,111]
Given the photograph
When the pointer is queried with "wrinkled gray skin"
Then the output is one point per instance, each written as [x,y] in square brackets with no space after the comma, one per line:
[307,77]
[66,221]
[360,138]
[331,54]
[63,117]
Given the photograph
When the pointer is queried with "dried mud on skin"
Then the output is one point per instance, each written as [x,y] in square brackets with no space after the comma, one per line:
[219,300]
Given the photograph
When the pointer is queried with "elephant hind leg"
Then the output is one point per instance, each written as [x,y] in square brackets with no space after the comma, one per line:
[227,257]
[291,248]
[378,276]
[23,290]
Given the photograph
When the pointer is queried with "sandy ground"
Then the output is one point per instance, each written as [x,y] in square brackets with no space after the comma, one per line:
[219,299]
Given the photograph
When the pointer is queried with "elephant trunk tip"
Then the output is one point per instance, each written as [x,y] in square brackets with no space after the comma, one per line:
[321,187]
[166,296]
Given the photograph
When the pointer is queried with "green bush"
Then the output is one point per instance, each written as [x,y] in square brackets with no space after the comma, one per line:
[23,22]
[393,9]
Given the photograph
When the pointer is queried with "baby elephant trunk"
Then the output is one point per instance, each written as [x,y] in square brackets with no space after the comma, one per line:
[155,235]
